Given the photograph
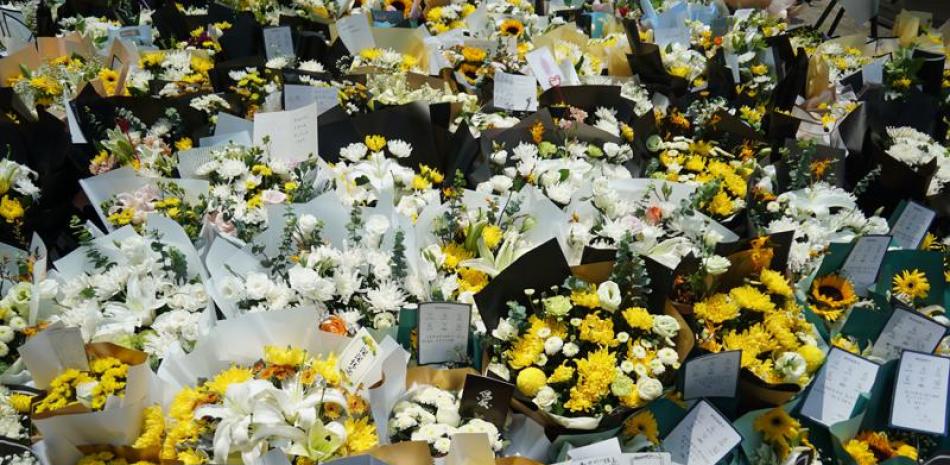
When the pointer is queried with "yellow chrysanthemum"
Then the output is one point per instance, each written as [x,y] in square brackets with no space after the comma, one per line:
[638,318]
[492,235]
[813,356]
[530,381]
[775,283]
[597,330]
[219,384]
[716,309]
[153,427]
[585,298]
[562,373]
[360,435]
[750,298]
[594,375]
[912,284]
[285,356]
[10,209]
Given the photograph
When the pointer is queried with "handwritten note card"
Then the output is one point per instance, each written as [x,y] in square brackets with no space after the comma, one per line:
[912,225]
[292,135]
[606,448]
[713,375]
[278,42]
[864,262]
[443,331]
[703,437]
[355,33]
[545,68]
[515,92]
[907,330]
[920,393]
[835,391]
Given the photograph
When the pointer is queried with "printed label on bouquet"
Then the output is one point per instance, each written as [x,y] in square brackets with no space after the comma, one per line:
[278,42]
[713,375]
[292,135]
[387,18]
[704,437]
[911,226]
[52,351]
[606,448]
[608,460]
[835,391]
[358,357]
[545,68]
[907,330]
[138,35]
[920,393]
[864,262]
[515,92]
[443,331]
[486,398]
[355,33]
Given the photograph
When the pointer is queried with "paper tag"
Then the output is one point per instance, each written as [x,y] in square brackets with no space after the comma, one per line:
[486,398]
[355,33]
[138,35]
[703,437]
[911,226]
[292,134]
[732,62]
[920,393]
[358,357]
[605,448]
[836,389]
[545,68]
[712,375]
[742,14]
[52,351]
[515,92]
[648,458]
[907,330]
[278,42]
[864,262]
[387,18]
[443,331]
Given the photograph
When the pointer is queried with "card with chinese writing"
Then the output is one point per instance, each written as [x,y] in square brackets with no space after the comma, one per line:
[486,398]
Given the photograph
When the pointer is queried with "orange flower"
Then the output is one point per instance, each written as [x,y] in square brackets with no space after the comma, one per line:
[334,324]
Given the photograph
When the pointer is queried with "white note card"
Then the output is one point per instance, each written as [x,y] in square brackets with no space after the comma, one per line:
[864,262]
[920,393]
[443,331]
[292,134]
[713,375]
[515,92]
[835,391]
[355,33]
[545,68]
[704,437]
[298,96]
[907,330]
[278,42]
[911,227]
[358,357]
[608,447]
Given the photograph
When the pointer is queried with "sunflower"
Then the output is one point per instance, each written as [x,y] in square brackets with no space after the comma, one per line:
[470,72]
[911,284]
[399,5]
[860,452]
[833,291]
[511,27]
[777,426]
[643,423]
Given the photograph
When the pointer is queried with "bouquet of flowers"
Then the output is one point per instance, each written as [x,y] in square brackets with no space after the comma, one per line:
[580,351]
[916,149]
[368,168]
[244,180]
[162,197]
[761,318]
[430,413]
[290,399]
[15,414]
[181,71]
[446,17]
[783,438]
[142,291]
[385,60]
[19,193]
[316,9]
[131,142]
[254,86]
[50,82]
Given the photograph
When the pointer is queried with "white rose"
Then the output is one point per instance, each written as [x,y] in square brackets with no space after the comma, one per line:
[668,356]
[570,349]
[500,157]
[665,326]
[716,264]
[649,388]
[545,398]
[442,445]
[609,294]
[500,370]
[307,223]
[553,345]
[504,331]
[500,183]
[384,320]
[6,334]
[257,286]
[791,365]
[376,225]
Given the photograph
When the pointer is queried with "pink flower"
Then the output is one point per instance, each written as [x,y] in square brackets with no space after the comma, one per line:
[272,196]
[223,226]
